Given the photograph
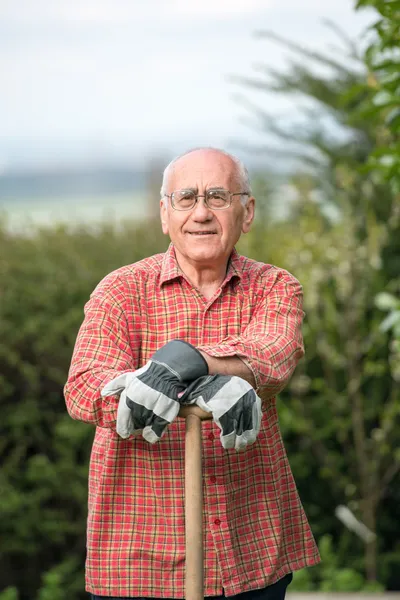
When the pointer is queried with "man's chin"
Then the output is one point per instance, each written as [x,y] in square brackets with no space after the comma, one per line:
[202,253]
[205,254]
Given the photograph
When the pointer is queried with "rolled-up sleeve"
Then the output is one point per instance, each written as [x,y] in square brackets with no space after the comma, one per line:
[271,344]
[102,351]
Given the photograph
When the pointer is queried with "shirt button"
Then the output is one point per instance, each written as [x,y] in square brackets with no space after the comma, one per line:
[217,522]
[213,479]
[210,436]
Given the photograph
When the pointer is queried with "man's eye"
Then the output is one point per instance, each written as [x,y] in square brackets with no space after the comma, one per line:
[216,195]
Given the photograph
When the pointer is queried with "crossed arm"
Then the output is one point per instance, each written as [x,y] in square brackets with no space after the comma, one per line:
[230,365]
[265,354]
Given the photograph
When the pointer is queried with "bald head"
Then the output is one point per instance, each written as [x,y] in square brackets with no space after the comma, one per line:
[195,159]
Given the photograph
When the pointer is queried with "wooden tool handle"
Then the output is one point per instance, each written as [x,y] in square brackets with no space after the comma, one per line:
[192,409]
[194,578]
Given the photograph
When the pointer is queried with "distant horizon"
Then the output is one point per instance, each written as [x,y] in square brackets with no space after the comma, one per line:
[97,180]
[60,163]
[25,215]
[71,182]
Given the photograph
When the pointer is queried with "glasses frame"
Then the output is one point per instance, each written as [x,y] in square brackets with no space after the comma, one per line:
[197,196]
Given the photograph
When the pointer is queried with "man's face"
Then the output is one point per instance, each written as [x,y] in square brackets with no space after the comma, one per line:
[201,235]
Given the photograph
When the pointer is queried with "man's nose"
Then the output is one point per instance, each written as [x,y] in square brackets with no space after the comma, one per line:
[201,210]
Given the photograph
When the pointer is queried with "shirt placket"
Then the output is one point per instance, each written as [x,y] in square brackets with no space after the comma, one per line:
[215,500]
[208,315]
[216,507]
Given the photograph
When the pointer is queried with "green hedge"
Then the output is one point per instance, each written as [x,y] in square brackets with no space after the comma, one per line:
[45,280]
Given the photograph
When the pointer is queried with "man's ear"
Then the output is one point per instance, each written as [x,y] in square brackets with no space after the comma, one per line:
[164,217]
[248,214]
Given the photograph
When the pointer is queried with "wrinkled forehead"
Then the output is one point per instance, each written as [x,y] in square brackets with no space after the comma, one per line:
[202,170]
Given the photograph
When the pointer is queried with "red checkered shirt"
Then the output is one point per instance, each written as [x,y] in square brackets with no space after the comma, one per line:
[255,529]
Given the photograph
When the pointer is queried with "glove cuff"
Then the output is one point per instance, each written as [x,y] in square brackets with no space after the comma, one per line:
[182,358]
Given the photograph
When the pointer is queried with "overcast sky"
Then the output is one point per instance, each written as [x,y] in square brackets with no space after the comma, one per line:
[100,80]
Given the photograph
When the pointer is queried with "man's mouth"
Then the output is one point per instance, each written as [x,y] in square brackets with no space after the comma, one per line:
[201,232]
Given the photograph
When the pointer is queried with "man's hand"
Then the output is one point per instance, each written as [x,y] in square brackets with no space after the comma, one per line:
[234,404]
[149,396]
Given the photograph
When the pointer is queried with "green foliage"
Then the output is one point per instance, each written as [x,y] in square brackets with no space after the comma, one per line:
[383,88]
[345,388]
[341,238]
[10,593]
[62,581]
[46,279]
[330,576]
[389,303]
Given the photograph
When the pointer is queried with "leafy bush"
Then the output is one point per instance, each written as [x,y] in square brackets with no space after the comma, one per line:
[45,280]
[330,575]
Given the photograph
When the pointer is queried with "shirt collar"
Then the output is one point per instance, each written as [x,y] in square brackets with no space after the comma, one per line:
[170,269]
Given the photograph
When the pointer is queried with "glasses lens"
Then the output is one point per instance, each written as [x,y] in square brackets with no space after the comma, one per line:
[218,199]
[183,199]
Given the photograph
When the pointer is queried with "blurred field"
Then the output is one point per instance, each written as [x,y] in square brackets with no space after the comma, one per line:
[23,214]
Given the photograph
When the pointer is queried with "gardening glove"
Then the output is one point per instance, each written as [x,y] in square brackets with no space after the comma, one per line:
[149,396]
[234,405]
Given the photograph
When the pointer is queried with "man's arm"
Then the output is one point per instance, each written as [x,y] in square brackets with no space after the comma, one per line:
[231,365]
[271,345]
[102,352]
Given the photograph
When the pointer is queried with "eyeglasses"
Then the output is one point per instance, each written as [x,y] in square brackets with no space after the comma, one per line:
[214,199]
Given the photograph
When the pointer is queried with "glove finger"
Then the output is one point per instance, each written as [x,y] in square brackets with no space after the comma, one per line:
[115,386]
[238,442]
[153,436]
[126,426]
[195,388]
[227,440]
[241,430]
[156,426]
[203,405]
[152,404]
[247,438]
[153,413]
[236,413]
[257,415]
[248,430]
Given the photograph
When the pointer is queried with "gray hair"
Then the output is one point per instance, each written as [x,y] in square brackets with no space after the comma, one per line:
[241,171]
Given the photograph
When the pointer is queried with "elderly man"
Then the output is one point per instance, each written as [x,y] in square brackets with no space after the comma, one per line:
[199,324]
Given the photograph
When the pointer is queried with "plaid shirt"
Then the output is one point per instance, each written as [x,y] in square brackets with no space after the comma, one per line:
[255,529]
